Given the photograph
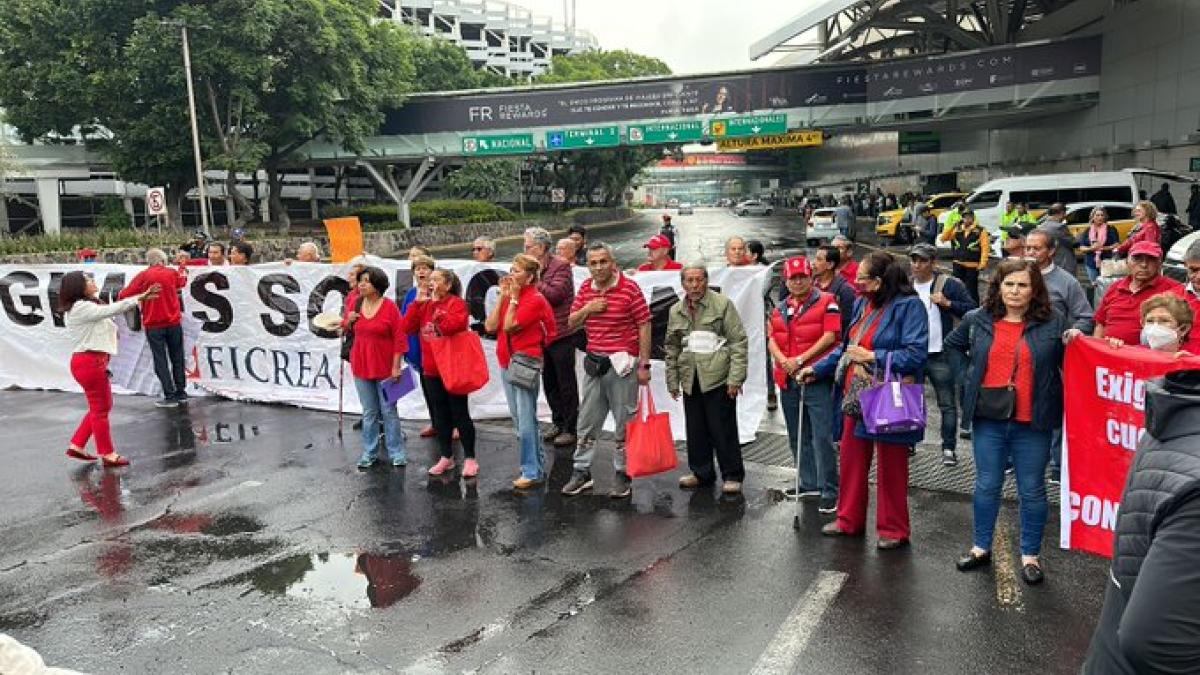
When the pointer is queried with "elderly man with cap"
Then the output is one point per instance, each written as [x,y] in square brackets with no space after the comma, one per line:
[1119,314]
[947,301]
[804,328]
[658,255]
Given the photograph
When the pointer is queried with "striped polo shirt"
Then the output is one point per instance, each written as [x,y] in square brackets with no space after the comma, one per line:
[616,328]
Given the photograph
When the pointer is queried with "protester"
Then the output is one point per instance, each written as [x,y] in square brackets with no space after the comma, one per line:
[1163,201]
[438,310]
[308,252]
[162,320]
[826,279]
[566,250]
[658,256]
[969,248]
[351,304]
[1064,252]
[803,330]
[756,253]
[1066,293]
[376,357]
[946,302]
[1014,396]
[1148,621]
[557,285]
[889,321]
[93,334]
[216,254]
[1167,322]
[240,253]
[706,356]
[611,308]
[578,234]
[847,267]
[735,252]
[1119,313]
[1145,228]
[524,324]
[1098,242]
[483,250]
[422,268]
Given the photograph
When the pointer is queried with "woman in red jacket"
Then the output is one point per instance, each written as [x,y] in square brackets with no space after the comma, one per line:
[377,356]
[524,324]
[437,311]
[1145,227]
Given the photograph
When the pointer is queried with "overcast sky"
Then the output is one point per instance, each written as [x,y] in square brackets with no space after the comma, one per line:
[692,36]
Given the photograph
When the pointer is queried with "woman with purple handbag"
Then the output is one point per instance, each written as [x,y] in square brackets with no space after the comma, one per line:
[890,326]
[1014,395]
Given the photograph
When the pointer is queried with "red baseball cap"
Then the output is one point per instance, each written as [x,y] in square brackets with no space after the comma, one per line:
[797,266]
[658,241]
[87,253]
[1146,248]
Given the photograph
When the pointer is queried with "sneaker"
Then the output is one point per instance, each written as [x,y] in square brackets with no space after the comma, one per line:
[689,482]
[1055,477]
[622,486]
[366,463]
[400,461]
[428,432]
[949,457]
[810,494]
[524,483]
[731,487]
[443,465]
[470,468]
[182,397]
[965,434]
[580,481]
[166,403]
[827,506]
[565,440]
[551,434]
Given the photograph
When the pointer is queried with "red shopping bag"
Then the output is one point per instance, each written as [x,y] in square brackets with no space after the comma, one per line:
[460,362]
[649,446]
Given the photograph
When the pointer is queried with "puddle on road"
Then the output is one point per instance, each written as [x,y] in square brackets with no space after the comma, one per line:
[352,580]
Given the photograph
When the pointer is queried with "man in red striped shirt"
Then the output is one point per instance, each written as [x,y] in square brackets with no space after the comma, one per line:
[613,311]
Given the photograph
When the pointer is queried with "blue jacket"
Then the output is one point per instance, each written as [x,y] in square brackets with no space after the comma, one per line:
[974,337]
[903,334]
[961,302]
[413,355]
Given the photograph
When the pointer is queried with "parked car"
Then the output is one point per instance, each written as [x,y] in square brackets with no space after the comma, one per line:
[686,209]
[753,207]
[821,228]
[888,222]
[1079,216]
[672,203]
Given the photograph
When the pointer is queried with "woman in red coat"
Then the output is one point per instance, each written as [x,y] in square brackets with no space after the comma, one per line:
[439,311]
[1145,227]
[376,357]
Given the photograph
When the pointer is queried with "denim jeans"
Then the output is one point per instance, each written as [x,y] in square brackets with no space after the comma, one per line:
[818,463]
[370,394]
[522,405]
[995,443]
[942,372]
[166,346]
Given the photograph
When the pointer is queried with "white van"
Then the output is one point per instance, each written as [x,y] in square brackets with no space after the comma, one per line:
[1127,186]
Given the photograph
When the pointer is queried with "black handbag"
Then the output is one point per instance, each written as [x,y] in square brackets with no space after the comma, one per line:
[1000,403]
[348,334]
[596,365]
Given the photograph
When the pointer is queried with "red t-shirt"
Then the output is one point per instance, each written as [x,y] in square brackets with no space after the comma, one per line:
[805,329]
[616,328]
[671,265]
[1000,365]
[1120,311]
[430,318]
[378,340]
[850,273]
[163,311]
[535,319]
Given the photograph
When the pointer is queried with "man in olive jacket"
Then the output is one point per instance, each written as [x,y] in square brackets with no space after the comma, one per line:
[706,361]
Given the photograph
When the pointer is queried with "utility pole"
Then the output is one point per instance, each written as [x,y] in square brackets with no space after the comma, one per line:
[187,69]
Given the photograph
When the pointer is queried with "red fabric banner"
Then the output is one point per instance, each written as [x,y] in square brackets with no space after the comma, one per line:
[1104,396]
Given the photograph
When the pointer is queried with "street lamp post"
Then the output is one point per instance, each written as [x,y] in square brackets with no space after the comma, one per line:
[187,69]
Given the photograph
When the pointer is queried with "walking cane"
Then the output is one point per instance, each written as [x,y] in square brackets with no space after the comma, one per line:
[799,442]
[341,385]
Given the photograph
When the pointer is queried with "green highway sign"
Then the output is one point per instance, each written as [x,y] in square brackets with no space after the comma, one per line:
[501,144]
[581,139]
[748,125]
[665,132]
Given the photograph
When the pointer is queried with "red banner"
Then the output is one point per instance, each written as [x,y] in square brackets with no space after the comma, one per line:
[1105,397]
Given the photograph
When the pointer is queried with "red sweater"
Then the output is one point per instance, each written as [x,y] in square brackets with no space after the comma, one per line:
[432,318]
[535,326]
[163,311]
[1000,366]
[1147,231]
[378,340]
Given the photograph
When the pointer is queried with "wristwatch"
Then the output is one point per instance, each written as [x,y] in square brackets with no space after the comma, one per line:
[645,366]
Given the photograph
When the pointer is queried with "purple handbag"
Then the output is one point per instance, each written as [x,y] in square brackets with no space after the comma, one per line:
[893,407]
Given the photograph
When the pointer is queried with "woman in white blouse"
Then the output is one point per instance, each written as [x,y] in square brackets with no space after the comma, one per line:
[94,337]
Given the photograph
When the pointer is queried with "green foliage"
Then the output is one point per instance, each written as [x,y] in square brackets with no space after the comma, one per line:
[444,66]
[424,213]
[602,65]
[113,216]
[96,239]
[486,179]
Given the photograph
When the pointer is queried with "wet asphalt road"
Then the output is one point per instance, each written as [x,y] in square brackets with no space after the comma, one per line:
[243,540]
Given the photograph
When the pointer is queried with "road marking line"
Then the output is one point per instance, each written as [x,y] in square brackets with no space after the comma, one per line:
[785,648]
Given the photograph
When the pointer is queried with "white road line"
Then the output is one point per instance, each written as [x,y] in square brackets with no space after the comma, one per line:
[793,636]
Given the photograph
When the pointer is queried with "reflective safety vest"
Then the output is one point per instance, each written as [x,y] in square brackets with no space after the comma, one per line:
[967,245]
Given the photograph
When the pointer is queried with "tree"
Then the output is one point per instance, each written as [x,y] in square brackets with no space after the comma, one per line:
[598,65]
[443,66]
[483,179]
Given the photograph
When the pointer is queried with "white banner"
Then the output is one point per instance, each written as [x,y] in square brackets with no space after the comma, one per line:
[249,336]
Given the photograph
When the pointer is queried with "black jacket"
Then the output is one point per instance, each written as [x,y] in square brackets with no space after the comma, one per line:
[974,336]
[1151,617]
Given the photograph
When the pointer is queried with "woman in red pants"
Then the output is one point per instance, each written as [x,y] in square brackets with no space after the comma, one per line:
[94,336]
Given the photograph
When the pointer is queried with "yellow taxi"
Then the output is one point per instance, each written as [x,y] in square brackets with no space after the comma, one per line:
[1120,216]
[889,221]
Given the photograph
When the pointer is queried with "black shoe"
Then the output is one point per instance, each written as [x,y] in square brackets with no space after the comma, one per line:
[772,402]
[357,426]
[949,457]
[1032,574]
[622,487]
[965,434]
[828,506]
[182,397]
[580,481]
[970,561]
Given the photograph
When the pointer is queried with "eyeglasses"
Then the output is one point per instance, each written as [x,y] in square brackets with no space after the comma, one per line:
[478,248]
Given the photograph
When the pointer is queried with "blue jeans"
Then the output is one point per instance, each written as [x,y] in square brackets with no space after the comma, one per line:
[1092,272]
[818,464]
[941,371]
[995,443]
[522,405]
[370,394]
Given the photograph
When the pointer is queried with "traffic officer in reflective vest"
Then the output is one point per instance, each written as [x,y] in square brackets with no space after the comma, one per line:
[969,246]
